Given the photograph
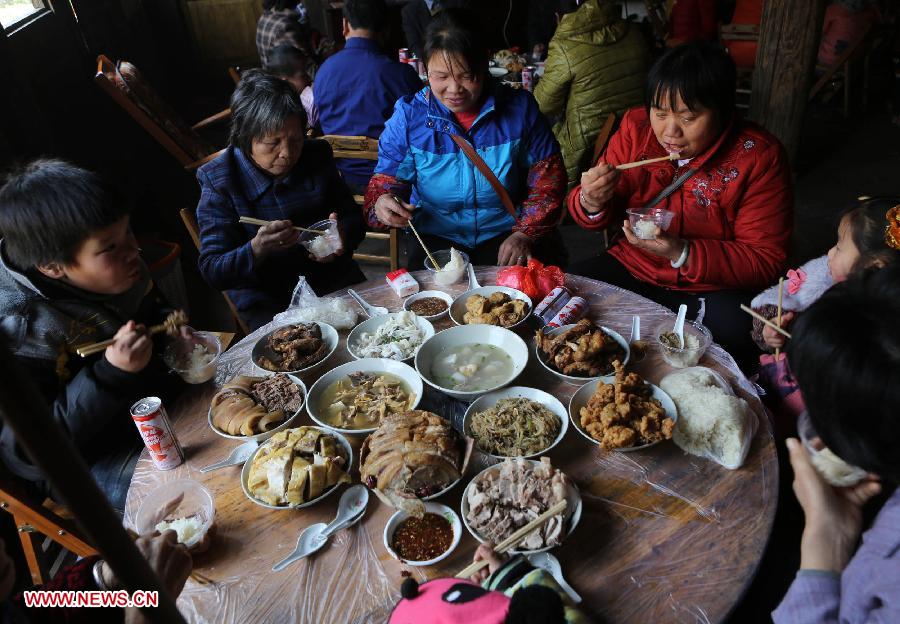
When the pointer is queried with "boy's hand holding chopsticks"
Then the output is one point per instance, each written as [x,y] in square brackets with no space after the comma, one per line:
[132,348]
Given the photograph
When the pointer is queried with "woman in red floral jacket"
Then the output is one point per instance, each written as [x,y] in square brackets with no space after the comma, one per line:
[732,217]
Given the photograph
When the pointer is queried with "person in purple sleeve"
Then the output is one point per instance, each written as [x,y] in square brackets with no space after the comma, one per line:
[851,381]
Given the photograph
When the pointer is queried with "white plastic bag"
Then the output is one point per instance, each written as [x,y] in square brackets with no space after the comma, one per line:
[306,307]
[723,436]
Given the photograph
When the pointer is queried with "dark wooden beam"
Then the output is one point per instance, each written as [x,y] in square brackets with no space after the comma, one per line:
[785,61]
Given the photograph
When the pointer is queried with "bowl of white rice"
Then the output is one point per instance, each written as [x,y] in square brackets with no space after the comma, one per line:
[322,245]
[194,359]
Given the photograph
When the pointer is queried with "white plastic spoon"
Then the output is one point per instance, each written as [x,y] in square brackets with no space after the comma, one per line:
[371,310]
[307,544]
[550,563]
[238,456]
[679,324]
[473,282]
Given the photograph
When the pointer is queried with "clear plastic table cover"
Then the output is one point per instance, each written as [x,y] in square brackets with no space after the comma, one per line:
[664,536]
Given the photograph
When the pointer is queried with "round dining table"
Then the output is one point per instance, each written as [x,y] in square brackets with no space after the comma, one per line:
[664,536]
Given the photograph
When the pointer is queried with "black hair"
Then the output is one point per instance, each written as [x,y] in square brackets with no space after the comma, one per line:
[278,5]
[48,208]
[868,222]
[701,73]
[366,14]
[845,353]
[286,60]
[535,604]
[260,105]
[457,32]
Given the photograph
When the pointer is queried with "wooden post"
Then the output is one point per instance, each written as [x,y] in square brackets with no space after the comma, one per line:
[785,60]
[27,414]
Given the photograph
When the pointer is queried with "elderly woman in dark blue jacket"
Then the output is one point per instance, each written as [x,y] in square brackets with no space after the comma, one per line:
[270,172]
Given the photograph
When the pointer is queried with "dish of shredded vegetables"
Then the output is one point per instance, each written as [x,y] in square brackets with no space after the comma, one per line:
[514,427]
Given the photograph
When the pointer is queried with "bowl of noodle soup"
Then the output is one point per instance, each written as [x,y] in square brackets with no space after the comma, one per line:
[516,422]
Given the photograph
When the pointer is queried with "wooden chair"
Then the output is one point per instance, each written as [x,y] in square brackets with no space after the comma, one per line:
[46,536]
[190,222]
[840,73]
[366,148]
[125,85]
[606,132]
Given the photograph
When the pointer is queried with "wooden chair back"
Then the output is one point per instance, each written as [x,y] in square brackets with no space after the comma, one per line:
[366,148]
[843,66]
[190,223]
[38,525]
[606,132]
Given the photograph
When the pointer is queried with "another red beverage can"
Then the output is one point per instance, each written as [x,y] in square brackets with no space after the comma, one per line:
[528,78]
[153,422]
[420,67]
[552,303]
[571,312]
[403,54]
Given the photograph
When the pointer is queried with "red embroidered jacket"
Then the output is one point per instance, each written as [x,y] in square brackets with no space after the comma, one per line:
[736,212]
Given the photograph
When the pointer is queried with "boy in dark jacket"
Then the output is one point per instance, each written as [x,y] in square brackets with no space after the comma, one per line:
[71,273]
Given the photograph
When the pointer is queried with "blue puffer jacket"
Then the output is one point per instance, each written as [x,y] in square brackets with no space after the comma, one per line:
[456,201]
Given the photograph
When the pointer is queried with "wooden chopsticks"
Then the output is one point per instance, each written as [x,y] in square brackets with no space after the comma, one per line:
[252,221]
[780,296]
[176,319]
[765,321]
[641,163]
[516,537]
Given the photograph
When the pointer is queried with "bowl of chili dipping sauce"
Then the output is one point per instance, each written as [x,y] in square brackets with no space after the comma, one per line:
[423,541]
[429,304]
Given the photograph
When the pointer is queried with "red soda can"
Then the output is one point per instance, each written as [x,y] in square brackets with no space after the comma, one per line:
[420,67]
[552,303]
[153,422]
[570,313]
[403,54]
[528,78]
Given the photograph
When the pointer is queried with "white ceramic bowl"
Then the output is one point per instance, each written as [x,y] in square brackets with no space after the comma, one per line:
[498,72]
[259,437]
[197,501]
[458,308]
[261,348]
[573,510]
[371,325]
[584,393]
[576,379]
[245,474]
[436,508]
[426,294]
[365,365]
[499,337]
[547,400]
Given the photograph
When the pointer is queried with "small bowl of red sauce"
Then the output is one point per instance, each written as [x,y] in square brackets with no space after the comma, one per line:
[423,541]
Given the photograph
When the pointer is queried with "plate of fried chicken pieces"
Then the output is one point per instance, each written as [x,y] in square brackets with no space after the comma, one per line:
[294,348]
[623,413]
[491,305]
[582,351]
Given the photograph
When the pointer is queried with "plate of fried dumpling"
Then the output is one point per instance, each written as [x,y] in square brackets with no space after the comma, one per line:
[297,468]
[256,408]
[491,305]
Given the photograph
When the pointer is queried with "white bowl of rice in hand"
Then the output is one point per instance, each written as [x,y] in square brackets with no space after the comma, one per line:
[322,245]
[516,422]
[194,359]
[831,467]
[396,336]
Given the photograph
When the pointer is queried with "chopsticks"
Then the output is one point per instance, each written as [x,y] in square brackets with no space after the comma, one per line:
[765,321]
[201,579]
[176,319]
[434,263]
[252,221]
[780,296]
[516,537]
[641,163]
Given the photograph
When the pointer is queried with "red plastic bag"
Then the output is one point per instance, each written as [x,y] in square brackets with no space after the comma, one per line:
[535,280]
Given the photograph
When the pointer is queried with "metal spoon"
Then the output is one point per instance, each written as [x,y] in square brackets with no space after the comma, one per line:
[473,282]
[679,324]
[238,456]
[371,310]
[307,544]
[350,509]
[550,563]
[638,347]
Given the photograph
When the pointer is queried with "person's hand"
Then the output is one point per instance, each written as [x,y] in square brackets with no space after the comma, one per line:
[170,560]
[833,515]
[340,251]
[666,246]
[485,552]
[516,249]
[7,573]
[772,338]
[132,349]
[597,186]
[391,211]
[274,236]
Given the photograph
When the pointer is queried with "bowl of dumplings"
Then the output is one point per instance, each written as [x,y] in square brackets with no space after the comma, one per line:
[491,305]
[297,468]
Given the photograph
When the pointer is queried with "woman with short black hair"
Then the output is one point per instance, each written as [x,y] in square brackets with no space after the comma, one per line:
[727,185]
[269,171]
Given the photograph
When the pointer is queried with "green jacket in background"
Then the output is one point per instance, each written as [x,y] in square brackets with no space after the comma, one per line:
[597,65]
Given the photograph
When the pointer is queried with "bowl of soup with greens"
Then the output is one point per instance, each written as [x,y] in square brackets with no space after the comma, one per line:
[468,361]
